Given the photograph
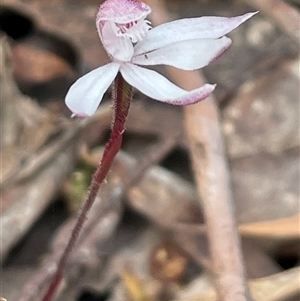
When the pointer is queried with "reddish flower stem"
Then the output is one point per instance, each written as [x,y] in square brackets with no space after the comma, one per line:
[122,95]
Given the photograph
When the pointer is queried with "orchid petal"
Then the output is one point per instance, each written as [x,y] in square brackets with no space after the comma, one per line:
[189,29]
[86,93]
[118,47]
[186,55]
[158,87]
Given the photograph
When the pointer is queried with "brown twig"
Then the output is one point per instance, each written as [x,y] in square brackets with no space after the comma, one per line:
[213,181]
[155,155]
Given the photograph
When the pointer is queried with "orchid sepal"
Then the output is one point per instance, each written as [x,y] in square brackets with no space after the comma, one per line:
[86,93]
[189,29]
[156,86]
[197,54]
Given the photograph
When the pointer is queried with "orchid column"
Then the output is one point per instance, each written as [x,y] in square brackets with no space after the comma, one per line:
[130,42]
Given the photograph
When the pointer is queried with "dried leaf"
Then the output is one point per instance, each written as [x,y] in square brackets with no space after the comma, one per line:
[133,285]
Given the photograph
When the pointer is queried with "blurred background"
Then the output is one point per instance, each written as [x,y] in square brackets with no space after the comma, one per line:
[146,239]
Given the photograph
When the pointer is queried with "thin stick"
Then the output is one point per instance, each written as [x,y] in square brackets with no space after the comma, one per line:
[122,95]
[213,182]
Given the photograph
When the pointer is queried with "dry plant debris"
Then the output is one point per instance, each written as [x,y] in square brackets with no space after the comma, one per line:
[146,238]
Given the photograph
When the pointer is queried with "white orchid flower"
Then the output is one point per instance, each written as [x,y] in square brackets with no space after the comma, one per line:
[130,41]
